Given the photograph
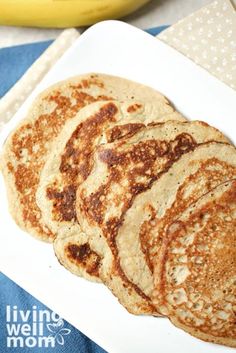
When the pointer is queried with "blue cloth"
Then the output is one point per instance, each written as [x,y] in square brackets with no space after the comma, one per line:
[15,297]
[14,61]
[14,301]
[156,30]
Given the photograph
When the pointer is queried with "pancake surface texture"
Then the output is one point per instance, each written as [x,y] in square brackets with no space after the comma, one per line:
[195,276]
[70,163]
[26,149]
[121,172]
[140,236]
[71,159]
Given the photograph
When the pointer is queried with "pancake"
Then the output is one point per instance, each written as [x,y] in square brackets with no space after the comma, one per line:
[26,149]
[71,158]
[123,170]
[69,164]
[139,238]
[195,275]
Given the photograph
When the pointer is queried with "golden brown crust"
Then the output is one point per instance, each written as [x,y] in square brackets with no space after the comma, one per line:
[145,154]
[209,174]
[76,162]
[131,169]
[125,130]
[196,286]
[75,159]
[27,147]
[71,160]
[95,208]
[84,256]
[208,162]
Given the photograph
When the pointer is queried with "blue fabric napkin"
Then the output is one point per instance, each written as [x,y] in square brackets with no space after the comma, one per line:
[14,301]
[25,323]
[14,61]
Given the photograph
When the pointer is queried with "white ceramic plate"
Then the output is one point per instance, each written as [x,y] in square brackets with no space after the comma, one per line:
[115,48]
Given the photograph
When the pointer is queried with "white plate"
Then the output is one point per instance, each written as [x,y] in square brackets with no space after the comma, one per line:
[115,48]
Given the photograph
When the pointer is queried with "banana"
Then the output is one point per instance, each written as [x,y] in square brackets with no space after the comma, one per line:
[64,13]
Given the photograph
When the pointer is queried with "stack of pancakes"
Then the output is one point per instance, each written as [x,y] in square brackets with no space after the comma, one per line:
[131,195]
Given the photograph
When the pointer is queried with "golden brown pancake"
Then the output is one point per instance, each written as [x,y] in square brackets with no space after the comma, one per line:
[140,235]
[195,275]
[26,149]
[70,163]
[122,171]
[71,158]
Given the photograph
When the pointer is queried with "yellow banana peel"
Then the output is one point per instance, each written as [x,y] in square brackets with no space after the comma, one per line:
[64,13]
